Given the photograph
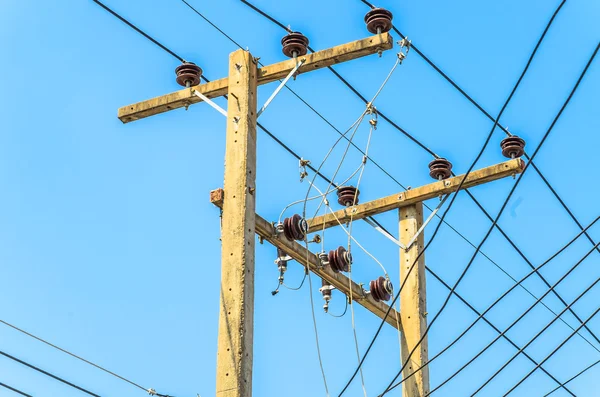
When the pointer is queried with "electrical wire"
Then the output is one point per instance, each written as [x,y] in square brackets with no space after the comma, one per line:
[392,124]
[435,155]
[542,330]
[499,299]
[14,390]
[489,116]
[489,136]
[72,354]
[574,377]
[403,187]
[343,313]
[48,374]
[554,351]
[543,140]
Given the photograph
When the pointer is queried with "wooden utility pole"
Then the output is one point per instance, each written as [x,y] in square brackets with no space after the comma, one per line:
[413,302]
[236,318]
[240,222]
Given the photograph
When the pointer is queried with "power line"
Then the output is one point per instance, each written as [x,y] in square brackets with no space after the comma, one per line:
[489,116]
[496,123]
[48,374]
[289,150]
[400,184]
[508,198]
[14,390]
[72,354]
[490,307]
[574,376]
[138,30]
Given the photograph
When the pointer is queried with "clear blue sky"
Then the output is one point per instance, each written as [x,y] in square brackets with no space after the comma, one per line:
[110,248]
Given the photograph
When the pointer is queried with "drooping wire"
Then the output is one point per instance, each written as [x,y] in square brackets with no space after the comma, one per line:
[462,236]
[66,382]
[543,140]
[489,116]
[452,200]
[554,351]
[499,299]
[72,354]
[572,378]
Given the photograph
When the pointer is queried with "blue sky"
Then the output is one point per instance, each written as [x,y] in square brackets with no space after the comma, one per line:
[110,247]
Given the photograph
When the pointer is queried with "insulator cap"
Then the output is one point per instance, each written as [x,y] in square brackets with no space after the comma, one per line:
[188,71]
[381,289]
[295,228]
[340,260]
[346,195]
[440,169]
[378,18]
[294,42]
[513,147]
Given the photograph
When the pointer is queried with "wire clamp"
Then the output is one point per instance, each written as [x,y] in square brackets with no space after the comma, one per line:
[151,392]
[302,163]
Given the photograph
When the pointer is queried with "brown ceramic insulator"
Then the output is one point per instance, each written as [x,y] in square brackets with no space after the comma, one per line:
[513,147]
[294,42]
[378,20]
[346,195]
[188,72]
[340,260]
[440,169]
[381,289]
[295,228]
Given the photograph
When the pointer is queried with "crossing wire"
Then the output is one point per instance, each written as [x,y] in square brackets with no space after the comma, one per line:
[14,390]
[511,242]
[443,221]
[489,116]
[298,157]
[429,270]
[543,140]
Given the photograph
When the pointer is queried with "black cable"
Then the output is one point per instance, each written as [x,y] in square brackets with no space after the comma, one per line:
[403,187]
[138,30]
[48,374]
[553,352]
[574,376]
[509,196]
[551,288]
[448,209]
[14,390]
[498,300]
[71,354]
[541,331]
[289,150]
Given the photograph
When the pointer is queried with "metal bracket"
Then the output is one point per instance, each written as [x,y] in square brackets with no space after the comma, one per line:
[281,85]
[414,238]
[210,102]
[386,234]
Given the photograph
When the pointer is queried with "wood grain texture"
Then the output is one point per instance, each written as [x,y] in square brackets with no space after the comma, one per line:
[419,194]
[267,74]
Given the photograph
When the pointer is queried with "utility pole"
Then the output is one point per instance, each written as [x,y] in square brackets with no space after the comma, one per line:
[236,319]
[240,222]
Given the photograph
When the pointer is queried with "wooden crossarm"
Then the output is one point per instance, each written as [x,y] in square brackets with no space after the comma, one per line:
[416,195]
[300,254]
[267,74]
